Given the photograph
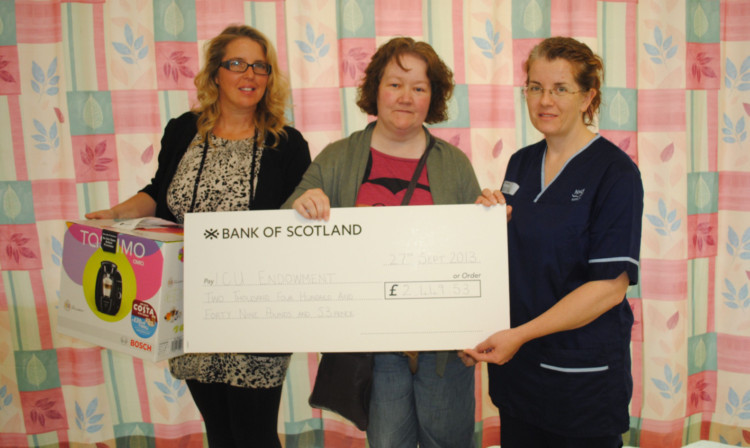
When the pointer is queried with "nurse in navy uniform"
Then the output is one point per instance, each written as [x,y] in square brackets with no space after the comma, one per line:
[561,374]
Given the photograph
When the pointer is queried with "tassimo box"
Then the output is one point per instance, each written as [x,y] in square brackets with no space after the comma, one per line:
[121,286]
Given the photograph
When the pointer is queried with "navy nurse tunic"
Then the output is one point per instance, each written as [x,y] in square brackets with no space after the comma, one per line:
[585,225]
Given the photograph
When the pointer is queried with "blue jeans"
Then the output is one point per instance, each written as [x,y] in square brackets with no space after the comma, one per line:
[424,408]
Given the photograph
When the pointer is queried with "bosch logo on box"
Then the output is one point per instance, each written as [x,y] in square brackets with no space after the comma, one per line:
[140,345]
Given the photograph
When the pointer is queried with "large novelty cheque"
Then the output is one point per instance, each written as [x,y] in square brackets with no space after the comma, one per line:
[369,279]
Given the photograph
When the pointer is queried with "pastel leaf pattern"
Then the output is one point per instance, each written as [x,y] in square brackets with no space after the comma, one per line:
[92,113]
[79,416]
[672,321]
[147,154]
[121,48]
[731,71]
[497,149]
[128,35]
[314,48]
[7,399]
[667,153]
[310,33]
[700,21]
[650,49]
[481,43]
[137,439]
[702,194]
[174,21]
[663,50]
[532,17]
[56,251]
[619,111]
[2,25]
[700,354]
[491,45]
[352,17]
[11,203]
[304,47]
[658,37]
[666,222]
[36,72]
[36,373]
[453,111]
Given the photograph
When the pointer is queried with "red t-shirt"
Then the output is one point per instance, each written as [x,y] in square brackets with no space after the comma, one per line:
[387,179]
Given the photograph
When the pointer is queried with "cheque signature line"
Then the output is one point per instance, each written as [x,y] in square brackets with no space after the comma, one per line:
[234,302]
[230,285]
[377,333]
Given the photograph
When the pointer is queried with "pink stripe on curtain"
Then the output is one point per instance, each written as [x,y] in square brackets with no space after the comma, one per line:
[140,384]
[489,106]
[317,109]
[576,18]
[712,120]
[733,190]
[661,110]
[663,279]
[459,52]
[711,297]
[631,48]
[281,46]
[42,310]
[38,22]
[16,130]
[733,353]
[174,431]
[136,112]
[213,16]
[54,199]
[100,54]
[398,18]
[735,16]
[80,367]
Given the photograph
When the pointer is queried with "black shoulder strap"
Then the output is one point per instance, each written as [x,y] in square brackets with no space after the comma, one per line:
[418,170]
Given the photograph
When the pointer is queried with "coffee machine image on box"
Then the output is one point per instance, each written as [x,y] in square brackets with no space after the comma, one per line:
[108,291]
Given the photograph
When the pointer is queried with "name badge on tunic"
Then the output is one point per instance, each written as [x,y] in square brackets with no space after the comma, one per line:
[509,187]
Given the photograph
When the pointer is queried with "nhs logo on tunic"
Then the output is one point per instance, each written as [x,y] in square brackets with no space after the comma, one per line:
[577,195]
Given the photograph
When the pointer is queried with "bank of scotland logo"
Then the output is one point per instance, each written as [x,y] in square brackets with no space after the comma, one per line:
[211,234]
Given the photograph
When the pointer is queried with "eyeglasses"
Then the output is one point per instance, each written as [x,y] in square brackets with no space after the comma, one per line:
[557,92]
[240,66]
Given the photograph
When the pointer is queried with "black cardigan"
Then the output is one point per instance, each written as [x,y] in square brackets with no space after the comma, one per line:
[281,167]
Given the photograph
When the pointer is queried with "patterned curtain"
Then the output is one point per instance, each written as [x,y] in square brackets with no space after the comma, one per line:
[87,86]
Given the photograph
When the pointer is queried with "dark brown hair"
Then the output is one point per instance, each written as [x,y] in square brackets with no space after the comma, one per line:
[440,76]
[588,68]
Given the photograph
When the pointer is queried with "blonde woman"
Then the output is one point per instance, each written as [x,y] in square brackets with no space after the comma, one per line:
[233,152]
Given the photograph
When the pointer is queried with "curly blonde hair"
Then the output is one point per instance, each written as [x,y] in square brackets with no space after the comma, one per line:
[269,115]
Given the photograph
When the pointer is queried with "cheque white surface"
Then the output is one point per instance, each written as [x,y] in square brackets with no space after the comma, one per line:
[369,279]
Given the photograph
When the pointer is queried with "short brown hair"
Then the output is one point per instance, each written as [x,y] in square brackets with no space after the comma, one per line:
[440,76]
[588,68]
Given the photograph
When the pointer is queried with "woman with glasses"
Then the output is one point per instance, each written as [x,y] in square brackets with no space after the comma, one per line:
[234,151]
[561,374]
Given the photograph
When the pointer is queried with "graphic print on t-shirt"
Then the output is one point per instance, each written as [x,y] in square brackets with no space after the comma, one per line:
[387,178]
